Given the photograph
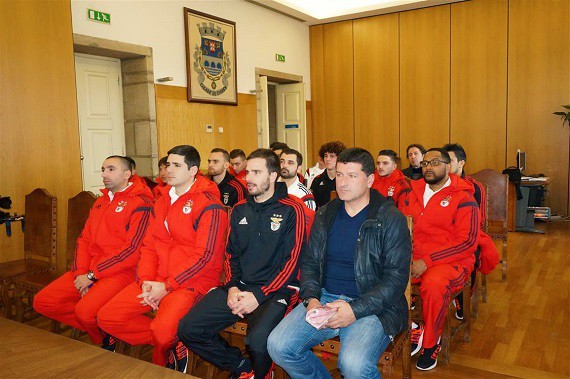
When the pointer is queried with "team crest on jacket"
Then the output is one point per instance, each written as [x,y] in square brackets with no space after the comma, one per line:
[187,207]
[391,191]
[120,206]
[445,201]
[276,222]
[226,197]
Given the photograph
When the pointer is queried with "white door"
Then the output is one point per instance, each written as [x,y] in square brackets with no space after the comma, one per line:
[100,110]
[262,114]
[291,116]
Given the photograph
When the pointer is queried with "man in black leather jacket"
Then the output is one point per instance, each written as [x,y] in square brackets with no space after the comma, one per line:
[357,263]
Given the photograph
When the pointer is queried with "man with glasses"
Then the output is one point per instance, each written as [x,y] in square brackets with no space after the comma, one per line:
[446,229]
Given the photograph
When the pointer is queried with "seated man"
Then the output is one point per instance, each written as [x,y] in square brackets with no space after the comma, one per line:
[161,180]
[388,180]
[291,160]
[446,230]
[181,260]
[415,154]
[325,183]
[231,189]
[106,255]
[267,237]
[278,147]
[358,264]
[238,164]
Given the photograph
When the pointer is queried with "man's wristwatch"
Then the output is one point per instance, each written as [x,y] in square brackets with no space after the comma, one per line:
[91,276]
[306,301]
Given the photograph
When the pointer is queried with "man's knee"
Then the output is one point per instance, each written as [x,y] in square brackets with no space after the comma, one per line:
[256,339]
[280,347]
[354,364]
[189,331]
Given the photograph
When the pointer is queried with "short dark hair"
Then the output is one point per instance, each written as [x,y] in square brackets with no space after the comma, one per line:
[278,146]
[237,153]
[163,161]
[290,151]
[223,151]
[389,153]
[190,154]
[271,160]
[420,147]
[126,161]
[133,163]
[443,153]
[335,147]
[358,155]
[458,150]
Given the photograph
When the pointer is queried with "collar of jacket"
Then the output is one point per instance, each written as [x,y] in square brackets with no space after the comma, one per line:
[376,204]
[280,193]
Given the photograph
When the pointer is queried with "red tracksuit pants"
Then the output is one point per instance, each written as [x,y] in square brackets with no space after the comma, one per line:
[61,301]
[437,284]
[123,317]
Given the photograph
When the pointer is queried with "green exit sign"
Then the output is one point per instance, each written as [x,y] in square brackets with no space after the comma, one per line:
[280,58]
[99,16]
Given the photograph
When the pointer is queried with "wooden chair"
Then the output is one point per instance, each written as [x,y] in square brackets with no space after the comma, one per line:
[39,244]
[400,347]
[448,331]
[25,288]
[497,202]
[479,289]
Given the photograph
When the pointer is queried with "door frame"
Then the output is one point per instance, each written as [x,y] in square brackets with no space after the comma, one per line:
[278,77]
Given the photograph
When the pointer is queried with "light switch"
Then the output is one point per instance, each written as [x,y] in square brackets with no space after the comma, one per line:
[220,129]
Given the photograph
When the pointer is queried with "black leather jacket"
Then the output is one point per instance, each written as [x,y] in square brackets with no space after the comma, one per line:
[382,261]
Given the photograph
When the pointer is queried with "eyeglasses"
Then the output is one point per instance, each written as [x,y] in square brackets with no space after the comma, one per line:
[433,162]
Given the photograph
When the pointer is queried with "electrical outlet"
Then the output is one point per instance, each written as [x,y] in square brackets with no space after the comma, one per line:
[220,129]
[209,129]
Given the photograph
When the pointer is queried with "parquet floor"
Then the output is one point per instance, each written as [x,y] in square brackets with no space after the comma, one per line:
[521,330]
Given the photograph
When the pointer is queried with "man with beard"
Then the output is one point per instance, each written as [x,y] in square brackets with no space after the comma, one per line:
[388,180]
[106,254]
[415,154]
[268,232]
[231,189]
[446,230]
[291,160]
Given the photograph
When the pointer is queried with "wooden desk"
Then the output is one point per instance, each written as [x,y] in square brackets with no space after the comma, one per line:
[29,352]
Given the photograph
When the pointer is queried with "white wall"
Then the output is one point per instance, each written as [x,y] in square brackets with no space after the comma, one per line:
[160,25]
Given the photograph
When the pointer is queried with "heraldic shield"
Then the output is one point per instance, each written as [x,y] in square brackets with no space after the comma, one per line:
[211,61]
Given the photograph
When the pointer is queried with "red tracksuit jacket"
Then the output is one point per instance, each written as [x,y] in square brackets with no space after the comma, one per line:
[111,239]
[445,231]
[394,185]
[156,190]
[189,252]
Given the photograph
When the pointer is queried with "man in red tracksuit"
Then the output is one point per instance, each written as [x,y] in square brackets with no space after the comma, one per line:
[388,180]
[181,260]
[106,255]
[238,163]
[446,230]
[161,180]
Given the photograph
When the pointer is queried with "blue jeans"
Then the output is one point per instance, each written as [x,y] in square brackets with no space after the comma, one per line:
[362,343]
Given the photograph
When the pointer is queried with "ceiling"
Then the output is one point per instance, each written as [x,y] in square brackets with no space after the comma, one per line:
[314,12]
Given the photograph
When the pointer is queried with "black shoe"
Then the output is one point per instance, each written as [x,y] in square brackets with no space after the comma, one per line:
[171,361]
[181,357]
[109,343]
[428,358]
[244,370]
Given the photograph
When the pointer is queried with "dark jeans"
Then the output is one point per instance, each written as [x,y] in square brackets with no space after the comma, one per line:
[199,331]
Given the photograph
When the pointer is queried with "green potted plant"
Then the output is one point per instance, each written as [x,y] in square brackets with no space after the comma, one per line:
[564,115]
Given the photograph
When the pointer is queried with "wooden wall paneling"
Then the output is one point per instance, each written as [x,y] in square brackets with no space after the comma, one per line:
[424,77]
[479,82]
[338,82]
[182,122]
[311,157]
[317,88]
[376,83]
[539,83]
[39,135]
[239,123]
